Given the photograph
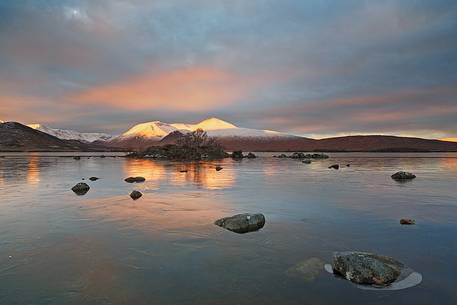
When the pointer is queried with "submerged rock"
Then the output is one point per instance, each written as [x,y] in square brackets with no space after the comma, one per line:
[405,221]
[135,179]
[183,171]
[306,161]
[242,223]
[77,158]
[403,176]
[93,178]
[334,166]
[135,195]
[281,156]
[81,188]
[366,268]
[308,269]
[218,168]
[251,156]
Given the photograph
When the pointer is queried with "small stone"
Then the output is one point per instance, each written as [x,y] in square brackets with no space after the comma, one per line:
[238,154]
[218,168]
[183,171]
[242,223]
[334,166]
[348,165]
[77,158]
[135,179]
[405,221]
[81,188]
[251,156]
[399,176]
[135,195]
[306,161]
[93,178]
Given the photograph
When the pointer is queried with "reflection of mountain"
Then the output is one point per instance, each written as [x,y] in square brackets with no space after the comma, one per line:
[200,174]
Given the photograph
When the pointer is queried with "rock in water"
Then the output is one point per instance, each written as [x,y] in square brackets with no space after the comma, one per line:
[366,268]
[238,154]
[93,178]
[403,176]
[135,179]
[405,221]
[218,168]
[183,171]
[334,166]
[81,188]
[77,158]
[306,161]
[242,223]
[251,156]
[135,195]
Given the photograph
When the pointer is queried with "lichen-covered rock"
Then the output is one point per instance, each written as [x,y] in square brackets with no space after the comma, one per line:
[403,176]
[366,268]
[135,195]
[242,223]
[135,179]
[81,188]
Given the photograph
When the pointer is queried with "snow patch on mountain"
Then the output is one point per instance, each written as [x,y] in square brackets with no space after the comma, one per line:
[65,134]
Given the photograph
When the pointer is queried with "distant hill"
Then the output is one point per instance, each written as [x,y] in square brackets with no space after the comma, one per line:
[17,137]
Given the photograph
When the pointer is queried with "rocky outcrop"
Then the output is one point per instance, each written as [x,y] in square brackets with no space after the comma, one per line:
[366,268]
[242,223]
[402,176]
[81,188]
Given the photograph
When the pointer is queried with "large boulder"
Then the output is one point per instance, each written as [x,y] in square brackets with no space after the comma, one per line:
[81,188]
[242,223]
[135,179]
[401,176]
[366,268]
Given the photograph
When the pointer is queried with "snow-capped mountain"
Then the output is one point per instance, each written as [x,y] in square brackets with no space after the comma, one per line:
[147,134]
[214,127]
[87,137]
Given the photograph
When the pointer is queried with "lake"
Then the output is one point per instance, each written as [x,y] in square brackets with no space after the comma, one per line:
[104,248]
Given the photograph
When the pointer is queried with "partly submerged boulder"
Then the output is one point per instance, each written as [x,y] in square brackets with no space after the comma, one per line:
[93,178]
[135,195]
[406,221]
[366,268]
[401,176]
[242,223]
[135,179]
[81,188]
[219,168]
[306,161]
[334,166]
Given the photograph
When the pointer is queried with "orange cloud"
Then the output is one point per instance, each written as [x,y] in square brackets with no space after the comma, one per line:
[188,89]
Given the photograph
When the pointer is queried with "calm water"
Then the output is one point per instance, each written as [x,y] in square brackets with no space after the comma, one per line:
[104,248]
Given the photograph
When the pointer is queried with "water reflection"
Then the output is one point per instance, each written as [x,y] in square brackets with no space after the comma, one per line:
[200,174]
[33,169]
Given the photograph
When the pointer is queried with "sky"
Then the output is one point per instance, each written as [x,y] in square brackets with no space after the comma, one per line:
[312,68]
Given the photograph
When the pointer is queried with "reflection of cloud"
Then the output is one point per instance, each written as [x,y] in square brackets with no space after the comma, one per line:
[449,164]
[201,174]
[33,170]
[182,214]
